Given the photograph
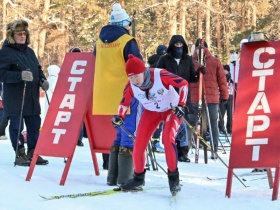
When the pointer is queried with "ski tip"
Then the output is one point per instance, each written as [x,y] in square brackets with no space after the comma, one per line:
[44,197]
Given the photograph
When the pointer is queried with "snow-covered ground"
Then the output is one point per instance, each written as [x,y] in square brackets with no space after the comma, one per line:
[198,193]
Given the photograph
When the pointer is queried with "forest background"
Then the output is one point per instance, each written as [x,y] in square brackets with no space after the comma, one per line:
[58,25]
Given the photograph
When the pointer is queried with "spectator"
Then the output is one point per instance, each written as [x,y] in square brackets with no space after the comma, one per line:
[180,63]
[216,89]
[53,71]
[226,108]
[19,66]
[165,105]
[109,81]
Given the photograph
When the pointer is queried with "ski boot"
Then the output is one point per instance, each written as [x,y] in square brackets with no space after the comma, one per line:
[136,183]
[173,180]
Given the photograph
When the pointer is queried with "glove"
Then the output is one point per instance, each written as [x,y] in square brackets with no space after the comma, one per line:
[27,75]
[44,84]
[223,101]
[179,111]
[117,121]
[202,69]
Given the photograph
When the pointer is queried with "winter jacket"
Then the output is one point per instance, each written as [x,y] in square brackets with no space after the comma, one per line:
[185,69]
[53,71]
[14,58]
[214,80]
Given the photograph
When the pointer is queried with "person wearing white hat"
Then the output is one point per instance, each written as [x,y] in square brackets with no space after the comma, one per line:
[111,51]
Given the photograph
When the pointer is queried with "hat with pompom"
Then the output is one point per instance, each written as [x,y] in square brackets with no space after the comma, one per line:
[134,65]
[119,16]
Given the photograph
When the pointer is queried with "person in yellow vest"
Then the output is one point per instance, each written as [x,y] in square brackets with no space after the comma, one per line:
[111,51]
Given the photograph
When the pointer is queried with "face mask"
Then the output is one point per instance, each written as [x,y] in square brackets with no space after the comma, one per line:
[177,52]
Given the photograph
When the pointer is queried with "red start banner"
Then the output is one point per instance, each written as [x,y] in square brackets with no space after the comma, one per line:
[71,105]
[255,141]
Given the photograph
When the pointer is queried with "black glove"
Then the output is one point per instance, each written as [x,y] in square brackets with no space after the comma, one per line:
[223,101]
[117,121]
[234,63]
[179,111]
[44,84]
[202,69]
[26,75]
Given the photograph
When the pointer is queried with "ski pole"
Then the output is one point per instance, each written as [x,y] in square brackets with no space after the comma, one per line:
[209,147]
[151,157]
[20,120]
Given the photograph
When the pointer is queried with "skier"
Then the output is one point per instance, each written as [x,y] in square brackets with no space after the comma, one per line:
[155,89]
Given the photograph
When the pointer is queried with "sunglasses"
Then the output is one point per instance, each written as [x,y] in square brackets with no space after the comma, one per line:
[21,33]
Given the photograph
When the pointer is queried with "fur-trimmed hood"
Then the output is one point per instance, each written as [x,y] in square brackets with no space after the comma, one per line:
[17,25]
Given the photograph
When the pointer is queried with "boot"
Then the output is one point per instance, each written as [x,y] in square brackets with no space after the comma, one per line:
[40,160]
[113,166]
[105,158]
[21,158]
[173,180]
[183,154]
[125,165]
[156,147]
[135,183]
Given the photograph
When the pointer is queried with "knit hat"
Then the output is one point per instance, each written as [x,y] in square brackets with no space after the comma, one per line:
[161,49]
[17,25]
[75,49]
[134,65]
[119,16]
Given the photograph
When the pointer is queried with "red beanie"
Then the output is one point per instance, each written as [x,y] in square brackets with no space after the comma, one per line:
[134,65]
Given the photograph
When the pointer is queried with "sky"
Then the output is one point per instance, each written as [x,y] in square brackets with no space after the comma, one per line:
[197,191]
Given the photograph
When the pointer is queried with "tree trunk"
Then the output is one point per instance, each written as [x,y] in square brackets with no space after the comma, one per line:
[227,37]
[243,16]
[207,24]
[218,28]
[182,28]
[172,18]
[254,17]
[199,21]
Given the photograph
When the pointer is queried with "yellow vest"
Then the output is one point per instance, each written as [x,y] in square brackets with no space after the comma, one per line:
[110,77]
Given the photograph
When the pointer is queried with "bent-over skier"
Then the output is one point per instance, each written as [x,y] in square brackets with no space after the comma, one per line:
[155,89]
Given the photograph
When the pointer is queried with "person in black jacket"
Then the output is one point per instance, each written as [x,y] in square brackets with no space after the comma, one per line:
[180,63]
[22,77]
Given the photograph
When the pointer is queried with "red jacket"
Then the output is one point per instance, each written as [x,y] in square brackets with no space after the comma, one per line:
[214,79]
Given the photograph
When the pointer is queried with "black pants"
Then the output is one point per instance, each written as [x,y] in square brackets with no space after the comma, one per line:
[32,123]
[3,125]
[226,109]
